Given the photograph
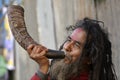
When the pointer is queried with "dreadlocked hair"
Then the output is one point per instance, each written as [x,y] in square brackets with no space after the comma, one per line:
[97,48]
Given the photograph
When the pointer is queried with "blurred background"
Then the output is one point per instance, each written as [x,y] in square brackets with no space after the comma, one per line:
[46,21]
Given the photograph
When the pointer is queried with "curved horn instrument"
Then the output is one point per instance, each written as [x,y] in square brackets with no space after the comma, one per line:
[18,28]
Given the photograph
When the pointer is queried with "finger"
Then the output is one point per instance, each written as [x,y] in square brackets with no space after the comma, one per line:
[39,49]
[36,51]
[43,53]
[33,52]
[30,47]
[38,55]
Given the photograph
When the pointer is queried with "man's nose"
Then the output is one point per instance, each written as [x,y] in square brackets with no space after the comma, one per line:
[68,46]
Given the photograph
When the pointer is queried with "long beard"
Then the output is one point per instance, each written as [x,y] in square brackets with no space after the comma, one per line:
[61,71]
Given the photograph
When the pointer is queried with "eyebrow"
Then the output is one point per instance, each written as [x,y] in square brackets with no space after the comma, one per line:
[74,40]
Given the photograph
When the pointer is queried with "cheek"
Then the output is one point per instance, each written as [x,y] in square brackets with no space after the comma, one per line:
[76,54]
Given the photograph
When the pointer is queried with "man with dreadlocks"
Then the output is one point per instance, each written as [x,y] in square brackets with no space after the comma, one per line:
[90,54]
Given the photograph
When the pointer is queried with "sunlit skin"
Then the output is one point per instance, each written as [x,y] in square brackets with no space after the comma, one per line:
[73,46]
[37,53]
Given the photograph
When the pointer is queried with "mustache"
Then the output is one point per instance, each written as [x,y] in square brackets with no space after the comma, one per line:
[69,57]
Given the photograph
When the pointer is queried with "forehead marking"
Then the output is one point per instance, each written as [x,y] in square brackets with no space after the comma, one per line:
[75,33]
[78,30]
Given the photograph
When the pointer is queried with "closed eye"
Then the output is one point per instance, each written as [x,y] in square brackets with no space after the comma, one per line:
[77,44]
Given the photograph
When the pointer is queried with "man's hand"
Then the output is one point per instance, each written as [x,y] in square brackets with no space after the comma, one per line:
[37,53]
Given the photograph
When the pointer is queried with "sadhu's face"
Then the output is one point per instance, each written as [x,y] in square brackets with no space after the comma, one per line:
[74,45]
